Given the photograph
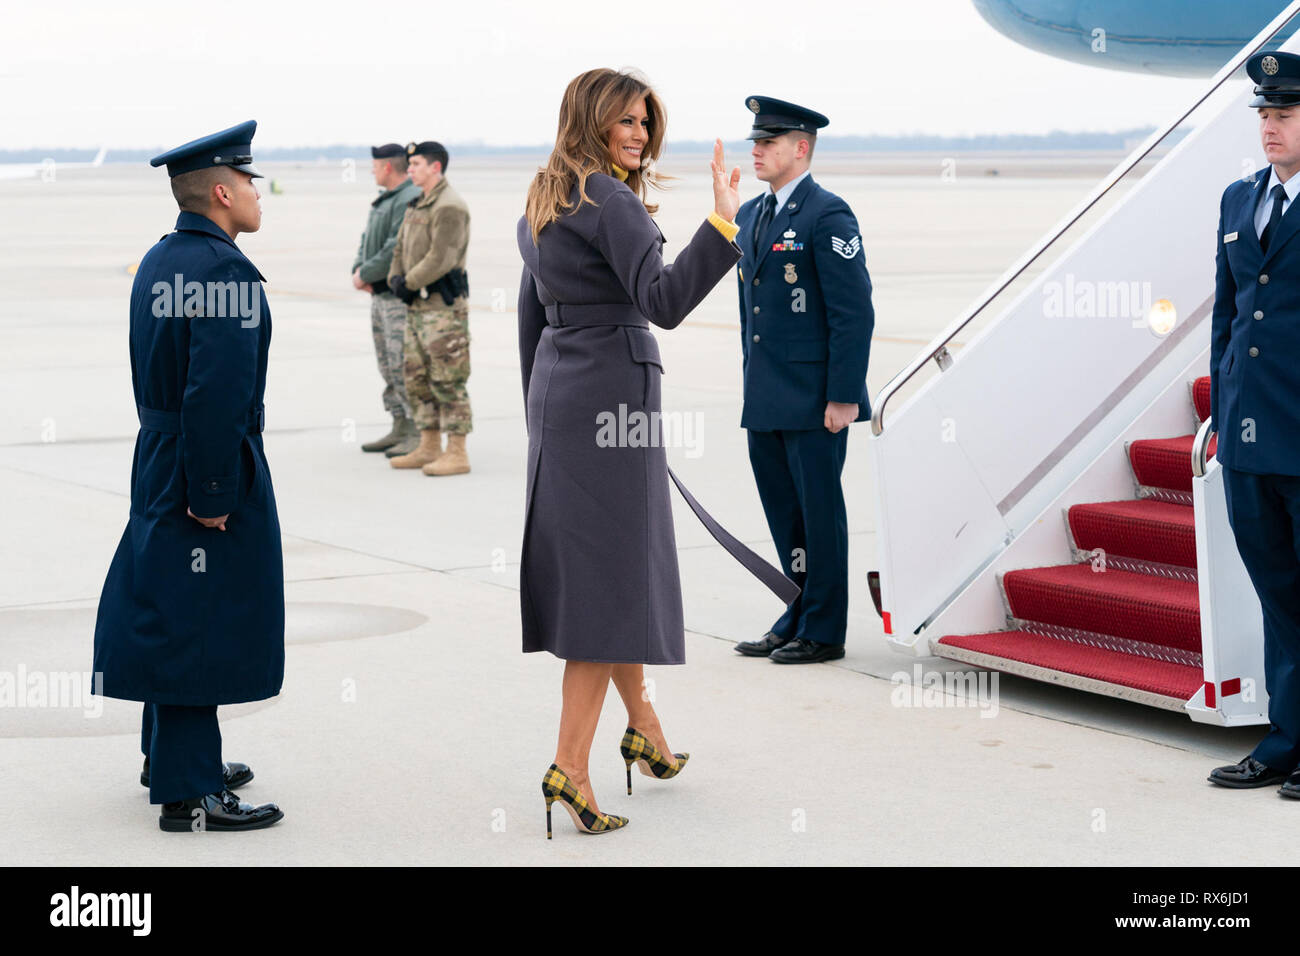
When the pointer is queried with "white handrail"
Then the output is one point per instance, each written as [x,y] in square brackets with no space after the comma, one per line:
[1200,449]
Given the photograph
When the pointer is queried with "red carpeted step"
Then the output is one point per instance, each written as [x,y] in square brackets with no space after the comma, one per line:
[1146,529]
[1139,607]
[1201,397]
[1165,462]
[1179,681]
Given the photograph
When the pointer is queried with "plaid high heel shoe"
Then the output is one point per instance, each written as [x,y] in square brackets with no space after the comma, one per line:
[556,785]
[637,749]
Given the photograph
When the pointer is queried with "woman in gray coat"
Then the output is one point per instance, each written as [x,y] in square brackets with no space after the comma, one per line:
[599,584]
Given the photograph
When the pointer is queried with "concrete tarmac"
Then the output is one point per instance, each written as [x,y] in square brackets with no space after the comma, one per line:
[411,730]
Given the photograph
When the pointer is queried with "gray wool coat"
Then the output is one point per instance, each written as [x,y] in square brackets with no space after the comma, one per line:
[599,578]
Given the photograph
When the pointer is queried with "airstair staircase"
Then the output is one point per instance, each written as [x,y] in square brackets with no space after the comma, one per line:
[1041,509]
[1125,610]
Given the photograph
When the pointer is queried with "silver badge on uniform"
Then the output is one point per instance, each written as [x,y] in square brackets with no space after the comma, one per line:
[1269,65]
[753,105]
[790,275]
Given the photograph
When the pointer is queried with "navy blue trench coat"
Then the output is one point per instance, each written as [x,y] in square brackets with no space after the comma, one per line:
[192,615]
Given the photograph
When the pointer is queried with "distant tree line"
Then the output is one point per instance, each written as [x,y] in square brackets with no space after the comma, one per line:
[992,142]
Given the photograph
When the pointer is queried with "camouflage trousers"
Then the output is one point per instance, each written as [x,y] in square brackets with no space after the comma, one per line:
[437,366]
[388,325]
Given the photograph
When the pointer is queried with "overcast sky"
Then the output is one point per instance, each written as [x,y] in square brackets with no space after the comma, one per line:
[142,74]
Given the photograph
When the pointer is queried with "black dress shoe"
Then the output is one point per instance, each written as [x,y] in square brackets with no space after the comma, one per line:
[1249,773]
[236,774]
[800,651]
[762,647]
[217,811]
[1292,786]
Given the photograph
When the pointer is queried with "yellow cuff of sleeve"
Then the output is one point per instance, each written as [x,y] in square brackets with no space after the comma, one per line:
[729,230]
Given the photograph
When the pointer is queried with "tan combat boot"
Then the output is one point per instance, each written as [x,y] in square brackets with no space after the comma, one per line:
[429,450]
[453,461]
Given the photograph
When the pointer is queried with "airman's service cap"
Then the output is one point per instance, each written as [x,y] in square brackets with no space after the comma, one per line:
[387,151]
[773,117]
[231,147]
[1277,79]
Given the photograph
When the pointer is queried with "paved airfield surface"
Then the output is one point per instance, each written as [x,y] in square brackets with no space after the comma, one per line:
[411,730]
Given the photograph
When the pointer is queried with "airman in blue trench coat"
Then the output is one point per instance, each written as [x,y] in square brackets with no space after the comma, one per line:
[192,610]
[1255,405]
[805,324]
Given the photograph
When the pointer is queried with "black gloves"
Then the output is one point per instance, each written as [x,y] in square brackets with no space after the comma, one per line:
[397,284]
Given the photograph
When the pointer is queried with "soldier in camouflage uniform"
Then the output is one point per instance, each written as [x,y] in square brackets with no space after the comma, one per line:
[387,312]
[428,273]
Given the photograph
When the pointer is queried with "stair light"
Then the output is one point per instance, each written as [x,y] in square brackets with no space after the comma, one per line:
[1161,317]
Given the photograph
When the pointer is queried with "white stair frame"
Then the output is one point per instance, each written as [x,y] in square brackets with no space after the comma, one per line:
[1232,624]
[981,606]
[1044,415]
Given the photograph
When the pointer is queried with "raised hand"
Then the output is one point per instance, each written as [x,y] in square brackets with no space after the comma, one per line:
[726,189]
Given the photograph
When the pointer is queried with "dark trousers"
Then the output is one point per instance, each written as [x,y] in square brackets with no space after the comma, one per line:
[798,478]
[1264,511]
[183,745]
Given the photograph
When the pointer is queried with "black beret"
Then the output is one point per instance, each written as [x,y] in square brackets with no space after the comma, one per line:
[387,151]
[429,149]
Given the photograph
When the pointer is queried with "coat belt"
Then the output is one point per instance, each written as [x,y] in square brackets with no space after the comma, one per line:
[773,579]
[169,423]
[563,315]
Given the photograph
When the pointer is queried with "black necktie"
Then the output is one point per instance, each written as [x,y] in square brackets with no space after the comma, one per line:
[764,218]
[1279,197]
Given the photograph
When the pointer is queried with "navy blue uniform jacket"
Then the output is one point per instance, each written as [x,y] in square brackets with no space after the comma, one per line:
[192,615]
[1255,337]
[805,311]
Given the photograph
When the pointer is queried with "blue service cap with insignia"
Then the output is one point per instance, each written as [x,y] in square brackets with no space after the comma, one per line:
[1277,79]
[773,117]
[387,151]
[231,147]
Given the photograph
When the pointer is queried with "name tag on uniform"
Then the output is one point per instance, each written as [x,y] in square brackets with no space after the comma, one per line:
[1230,237]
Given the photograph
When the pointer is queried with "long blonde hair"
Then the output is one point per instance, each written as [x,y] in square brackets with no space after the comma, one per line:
[593,102]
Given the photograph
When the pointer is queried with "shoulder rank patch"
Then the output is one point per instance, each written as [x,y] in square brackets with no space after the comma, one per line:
[848,248]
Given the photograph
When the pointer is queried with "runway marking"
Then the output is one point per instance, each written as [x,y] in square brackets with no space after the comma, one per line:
[721,326]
